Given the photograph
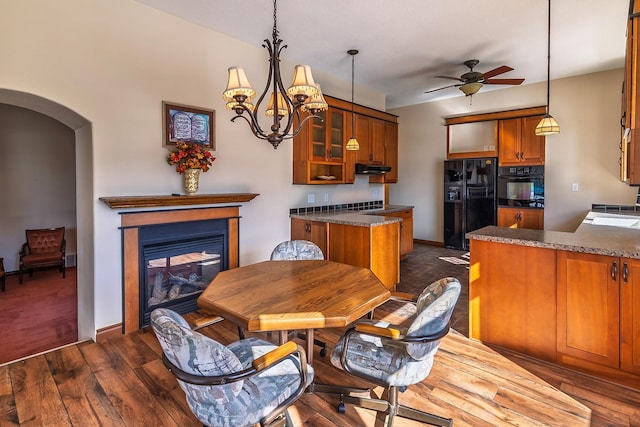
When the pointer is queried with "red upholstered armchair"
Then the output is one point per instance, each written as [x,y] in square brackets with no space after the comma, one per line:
[43,248]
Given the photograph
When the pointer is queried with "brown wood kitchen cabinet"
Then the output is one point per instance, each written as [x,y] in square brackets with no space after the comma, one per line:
[521,218]
[370,135]
[406,230]
[517,142]
[599,312]
[374,247]
[313,231]
[319,149]
[630,120]
[512,297]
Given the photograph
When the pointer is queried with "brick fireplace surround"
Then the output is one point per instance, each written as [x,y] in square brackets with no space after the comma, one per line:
[131,222]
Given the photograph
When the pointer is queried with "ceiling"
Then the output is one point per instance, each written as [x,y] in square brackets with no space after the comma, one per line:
[403,44]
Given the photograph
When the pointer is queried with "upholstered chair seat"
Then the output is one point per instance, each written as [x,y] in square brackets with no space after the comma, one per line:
[245,383]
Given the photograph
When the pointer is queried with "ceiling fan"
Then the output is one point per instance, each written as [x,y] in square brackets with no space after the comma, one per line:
[472,81]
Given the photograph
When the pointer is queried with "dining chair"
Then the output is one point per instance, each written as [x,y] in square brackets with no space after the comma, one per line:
[45,247]
[296,250]
[395,356]
[245,383]
[300,250]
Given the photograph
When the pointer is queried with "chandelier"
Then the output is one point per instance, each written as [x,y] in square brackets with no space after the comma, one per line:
[303,95]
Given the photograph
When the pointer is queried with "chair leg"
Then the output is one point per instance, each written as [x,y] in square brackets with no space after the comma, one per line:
[20,276]
[425,417]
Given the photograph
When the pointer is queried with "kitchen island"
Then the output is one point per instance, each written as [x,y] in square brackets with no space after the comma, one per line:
[373,236]
[568,298]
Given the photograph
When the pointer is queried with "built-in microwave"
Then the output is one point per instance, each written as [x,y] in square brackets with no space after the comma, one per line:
[521,186]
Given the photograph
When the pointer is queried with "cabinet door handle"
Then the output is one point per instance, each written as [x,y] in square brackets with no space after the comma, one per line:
[522,155]
[518,155]
[614,271]
[625,272]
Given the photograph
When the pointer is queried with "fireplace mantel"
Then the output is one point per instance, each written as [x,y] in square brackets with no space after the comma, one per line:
[125,202]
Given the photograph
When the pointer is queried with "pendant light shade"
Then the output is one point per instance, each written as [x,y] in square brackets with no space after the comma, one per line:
[352,144]
[548,125]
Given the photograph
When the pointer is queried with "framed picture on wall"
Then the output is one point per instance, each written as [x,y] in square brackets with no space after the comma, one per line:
[183,123]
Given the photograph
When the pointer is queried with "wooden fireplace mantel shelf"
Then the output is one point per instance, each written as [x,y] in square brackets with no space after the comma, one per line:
[124,202]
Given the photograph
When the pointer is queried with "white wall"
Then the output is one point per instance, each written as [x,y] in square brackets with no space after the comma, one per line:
[37,179]
[113,63]
[585,152]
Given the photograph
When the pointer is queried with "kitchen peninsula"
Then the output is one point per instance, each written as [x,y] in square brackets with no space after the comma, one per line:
[568,298]
[368,234]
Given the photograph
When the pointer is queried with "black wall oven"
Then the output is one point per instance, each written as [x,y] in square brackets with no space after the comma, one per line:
[521,186]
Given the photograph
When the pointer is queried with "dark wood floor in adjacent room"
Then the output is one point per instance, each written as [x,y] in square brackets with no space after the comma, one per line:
[39,315]
[123,382]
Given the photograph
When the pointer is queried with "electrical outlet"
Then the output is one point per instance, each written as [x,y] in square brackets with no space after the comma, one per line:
[326,197]
[311,198]
[574,187]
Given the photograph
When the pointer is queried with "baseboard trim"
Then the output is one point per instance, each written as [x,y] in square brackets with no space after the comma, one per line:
[428,242]
[103,334]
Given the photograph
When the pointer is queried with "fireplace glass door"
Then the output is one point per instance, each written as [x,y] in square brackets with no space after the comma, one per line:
[176,273]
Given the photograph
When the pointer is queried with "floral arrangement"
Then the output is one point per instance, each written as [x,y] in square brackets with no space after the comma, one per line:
[188,155]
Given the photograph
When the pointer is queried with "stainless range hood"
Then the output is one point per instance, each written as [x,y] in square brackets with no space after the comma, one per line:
[364,169]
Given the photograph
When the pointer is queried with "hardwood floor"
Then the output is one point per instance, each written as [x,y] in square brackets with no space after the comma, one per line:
[122,382]
[39,315]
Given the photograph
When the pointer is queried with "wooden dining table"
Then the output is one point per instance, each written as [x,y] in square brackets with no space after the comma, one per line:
[285,296]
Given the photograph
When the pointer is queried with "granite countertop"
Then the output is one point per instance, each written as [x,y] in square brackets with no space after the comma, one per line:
[370,217]
[588,238]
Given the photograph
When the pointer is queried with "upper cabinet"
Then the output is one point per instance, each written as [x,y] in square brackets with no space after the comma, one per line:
[508,135]
[518,143]
[319,152]
[474,139]
[630,120]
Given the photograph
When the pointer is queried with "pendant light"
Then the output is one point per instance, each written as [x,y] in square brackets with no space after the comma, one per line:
[352,144]
[284,104]
[548,125]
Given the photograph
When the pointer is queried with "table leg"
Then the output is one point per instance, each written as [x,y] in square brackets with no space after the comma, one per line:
[283,337]
[309,348]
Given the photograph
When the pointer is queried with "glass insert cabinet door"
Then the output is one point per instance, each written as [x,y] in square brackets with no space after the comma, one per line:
[328,136]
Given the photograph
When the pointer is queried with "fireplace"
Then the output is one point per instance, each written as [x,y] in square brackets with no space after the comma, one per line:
[170,256]
[177,262]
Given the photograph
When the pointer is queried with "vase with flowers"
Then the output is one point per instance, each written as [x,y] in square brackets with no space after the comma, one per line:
[189,159]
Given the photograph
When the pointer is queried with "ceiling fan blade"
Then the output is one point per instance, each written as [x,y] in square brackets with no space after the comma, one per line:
[504,81]
[440,88]
[500,70]
[450,78]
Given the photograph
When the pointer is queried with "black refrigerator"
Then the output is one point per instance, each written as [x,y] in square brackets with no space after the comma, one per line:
[470,199]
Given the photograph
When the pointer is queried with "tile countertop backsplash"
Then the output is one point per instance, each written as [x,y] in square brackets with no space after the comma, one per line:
[361,214]
[357,206]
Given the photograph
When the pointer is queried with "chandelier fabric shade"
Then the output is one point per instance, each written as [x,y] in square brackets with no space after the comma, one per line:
[284,105]
[548,125]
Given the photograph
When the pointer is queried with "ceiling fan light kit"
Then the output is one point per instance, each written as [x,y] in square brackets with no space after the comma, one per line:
[472,81]
[303,95]
[470,88]
[548,125]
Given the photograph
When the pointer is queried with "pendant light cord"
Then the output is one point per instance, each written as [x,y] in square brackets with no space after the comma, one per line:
[353,53]
[548,53]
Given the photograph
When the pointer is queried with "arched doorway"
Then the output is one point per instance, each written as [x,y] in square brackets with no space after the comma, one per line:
[84,196]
